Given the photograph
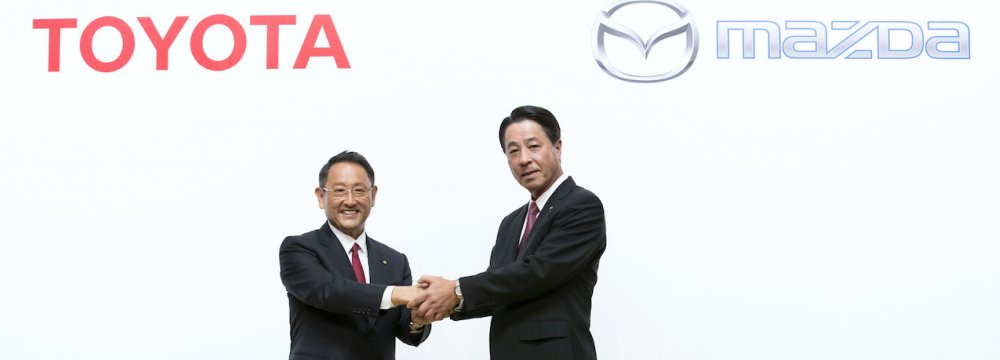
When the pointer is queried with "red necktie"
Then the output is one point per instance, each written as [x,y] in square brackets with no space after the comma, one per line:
[359,272]
[532,214]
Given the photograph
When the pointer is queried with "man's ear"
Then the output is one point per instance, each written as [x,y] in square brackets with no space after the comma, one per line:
[319,197]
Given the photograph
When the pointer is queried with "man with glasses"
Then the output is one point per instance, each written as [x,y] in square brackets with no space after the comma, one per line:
[344,287]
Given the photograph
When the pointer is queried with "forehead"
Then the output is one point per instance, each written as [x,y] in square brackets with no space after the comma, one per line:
[523,131]
[347,173]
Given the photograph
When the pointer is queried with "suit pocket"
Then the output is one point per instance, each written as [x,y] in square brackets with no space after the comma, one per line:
[543,340]
[542,330]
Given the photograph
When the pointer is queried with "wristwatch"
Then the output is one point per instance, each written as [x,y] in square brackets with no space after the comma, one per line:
[458,292]
[414,327]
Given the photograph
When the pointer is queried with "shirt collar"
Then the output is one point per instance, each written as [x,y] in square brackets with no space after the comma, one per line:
[348,242]
[544,198]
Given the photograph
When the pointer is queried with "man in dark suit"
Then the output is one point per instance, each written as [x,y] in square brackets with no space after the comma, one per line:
[343,286]
[543,268]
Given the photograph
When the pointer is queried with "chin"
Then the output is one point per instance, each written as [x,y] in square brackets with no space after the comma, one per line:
[347,225]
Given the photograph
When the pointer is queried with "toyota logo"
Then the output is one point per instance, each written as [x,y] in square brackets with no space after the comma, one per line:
[604,25]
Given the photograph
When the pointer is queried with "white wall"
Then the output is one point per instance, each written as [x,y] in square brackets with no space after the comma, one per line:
[757,209]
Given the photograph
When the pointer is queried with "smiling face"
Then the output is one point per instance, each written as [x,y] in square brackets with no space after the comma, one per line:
[533,158]
[345,208]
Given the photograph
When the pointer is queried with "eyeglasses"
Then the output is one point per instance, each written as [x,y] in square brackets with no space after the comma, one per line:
[342,193]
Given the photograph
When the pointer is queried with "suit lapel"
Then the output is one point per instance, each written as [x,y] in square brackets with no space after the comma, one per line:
[545,216]
[341,264]
[378,264]
[508,249]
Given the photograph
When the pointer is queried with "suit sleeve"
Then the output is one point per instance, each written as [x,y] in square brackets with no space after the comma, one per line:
[306,279]
[577,235]
[403,332]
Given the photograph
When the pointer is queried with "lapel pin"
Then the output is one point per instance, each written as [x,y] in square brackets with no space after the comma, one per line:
[385,262]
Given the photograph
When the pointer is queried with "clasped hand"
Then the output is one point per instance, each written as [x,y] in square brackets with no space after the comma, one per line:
[432,298]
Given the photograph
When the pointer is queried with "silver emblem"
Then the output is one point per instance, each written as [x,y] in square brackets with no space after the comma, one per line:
[603,25]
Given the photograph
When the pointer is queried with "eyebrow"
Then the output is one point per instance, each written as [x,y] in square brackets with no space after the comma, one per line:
[533,138]
[344,184]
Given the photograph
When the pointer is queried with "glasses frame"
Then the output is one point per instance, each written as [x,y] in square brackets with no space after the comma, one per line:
[347,193]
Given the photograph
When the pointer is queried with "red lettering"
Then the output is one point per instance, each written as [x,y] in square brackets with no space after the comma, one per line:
[272,22]
[309,49]
[87,44]
[321,25]
[198,42]
[55,27]
[162,44]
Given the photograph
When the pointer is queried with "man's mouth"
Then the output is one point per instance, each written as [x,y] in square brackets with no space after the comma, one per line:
[529,173]
[349,212]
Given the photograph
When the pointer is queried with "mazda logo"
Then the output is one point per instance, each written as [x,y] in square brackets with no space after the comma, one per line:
[604,25]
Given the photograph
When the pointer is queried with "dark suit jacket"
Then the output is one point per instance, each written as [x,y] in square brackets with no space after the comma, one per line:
[332,316]
[540,299]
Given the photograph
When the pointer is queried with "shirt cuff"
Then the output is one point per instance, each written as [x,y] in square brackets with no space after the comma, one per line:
[387,298]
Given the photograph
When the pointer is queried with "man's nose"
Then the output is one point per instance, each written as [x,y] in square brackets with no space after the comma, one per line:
[523,158]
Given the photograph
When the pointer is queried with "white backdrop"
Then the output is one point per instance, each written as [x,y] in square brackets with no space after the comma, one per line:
[757,209]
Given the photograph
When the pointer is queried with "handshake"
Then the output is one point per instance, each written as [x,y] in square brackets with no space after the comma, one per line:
[431,299]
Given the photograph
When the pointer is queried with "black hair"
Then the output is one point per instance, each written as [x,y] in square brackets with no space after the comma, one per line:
[346,156]
[537,114]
